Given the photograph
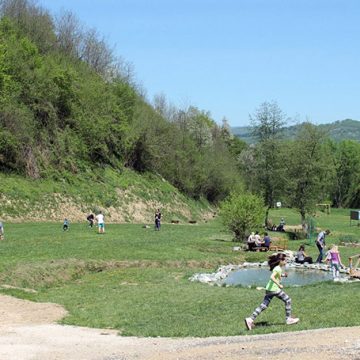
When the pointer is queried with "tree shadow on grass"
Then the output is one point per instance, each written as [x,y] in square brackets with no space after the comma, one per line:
[267,324]
[220,240]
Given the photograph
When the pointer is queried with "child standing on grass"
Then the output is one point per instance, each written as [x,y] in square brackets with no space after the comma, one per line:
[66,225]
[101,223]
[2,234]
[335,261]
[157,219]
[273,289]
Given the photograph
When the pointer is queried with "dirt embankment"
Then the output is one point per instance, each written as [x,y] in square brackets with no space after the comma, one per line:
[28,331]
[56,207]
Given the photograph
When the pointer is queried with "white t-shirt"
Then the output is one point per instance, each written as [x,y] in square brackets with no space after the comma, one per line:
[100,218]
[257,239]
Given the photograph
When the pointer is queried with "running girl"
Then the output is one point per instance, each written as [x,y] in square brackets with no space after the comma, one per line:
[273,289]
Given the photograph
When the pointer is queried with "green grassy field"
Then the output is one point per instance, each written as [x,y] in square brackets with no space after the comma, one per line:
[136,280]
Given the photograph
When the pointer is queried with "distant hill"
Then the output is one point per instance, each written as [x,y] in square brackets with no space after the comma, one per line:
[340,130]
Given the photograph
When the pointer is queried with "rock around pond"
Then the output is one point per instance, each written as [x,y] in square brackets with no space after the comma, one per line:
[258,274]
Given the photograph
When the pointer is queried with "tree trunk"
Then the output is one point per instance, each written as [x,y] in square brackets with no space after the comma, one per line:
[267,217]
[303,220]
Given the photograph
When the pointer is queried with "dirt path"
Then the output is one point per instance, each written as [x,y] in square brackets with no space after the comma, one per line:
[27,331]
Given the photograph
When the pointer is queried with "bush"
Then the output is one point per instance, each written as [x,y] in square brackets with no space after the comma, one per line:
[241,213]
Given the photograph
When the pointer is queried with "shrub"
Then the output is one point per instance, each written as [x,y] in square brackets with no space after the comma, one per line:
[241,213]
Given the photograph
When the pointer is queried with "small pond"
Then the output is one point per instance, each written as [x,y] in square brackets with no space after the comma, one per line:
[261,276]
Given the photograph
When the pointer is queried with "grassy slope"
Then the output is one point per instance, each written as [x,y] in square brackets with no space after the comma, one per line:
[136,280]
[123,197]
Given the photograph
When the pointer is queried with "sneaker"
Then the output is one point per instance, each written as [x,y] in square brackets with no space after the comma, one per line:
[249,322]
[291,321]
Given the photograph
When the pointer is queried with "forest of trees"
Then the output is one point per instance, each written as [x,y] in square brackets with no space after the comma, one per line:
[69,105]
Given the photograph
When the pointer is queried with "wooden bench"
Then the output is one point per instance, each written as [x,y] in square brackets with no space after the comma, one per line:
[271,248]
[276,248]
[261,248]
[279,244]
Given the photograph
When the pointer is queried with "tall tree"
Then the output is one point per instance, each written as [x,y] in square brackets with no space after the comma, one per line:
[268,122]
[69,33]
[307,169]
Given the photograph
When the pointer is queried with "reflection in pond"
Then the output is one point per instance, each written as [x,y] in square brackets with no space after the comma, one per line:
[260,277]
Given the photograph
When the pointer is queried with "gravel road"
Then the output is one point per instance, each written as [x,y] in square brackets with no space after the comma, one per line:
[28,331]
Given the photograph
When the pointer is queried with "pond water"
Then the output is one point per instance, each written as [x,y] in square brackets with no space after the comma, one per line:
[261,276]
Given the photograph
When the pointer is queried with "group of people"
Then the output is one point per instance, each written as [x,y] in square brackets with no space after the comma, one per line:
[332,257]
[254,241]
[99,218]
[302,257]
[279,227]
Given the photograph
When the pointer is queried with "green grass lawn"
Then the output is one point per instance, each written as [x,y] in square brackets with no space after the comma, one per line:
[136,280]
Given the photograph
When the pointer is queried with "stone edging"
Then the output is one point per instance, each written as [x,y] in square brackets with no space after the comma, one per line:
[223,271]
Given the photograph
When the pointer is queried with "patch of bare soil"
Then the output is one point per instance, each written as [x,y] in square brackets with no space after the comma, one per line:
[28,331]
[18,312]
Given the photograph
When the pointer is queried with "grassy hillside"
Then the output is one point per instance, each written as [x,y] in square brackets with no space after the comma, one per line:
[123,197]
[340,130]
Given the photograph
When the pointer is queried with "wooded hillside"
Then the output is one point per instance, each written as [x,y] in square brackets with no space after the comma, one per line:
[69,106]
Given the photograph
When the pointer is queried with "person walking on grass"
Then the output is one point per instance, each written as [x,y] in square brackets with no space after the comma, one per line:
[274,289]
[101,223]
[66,225]
[90,218]
[157,219]
[320,243]
[334,258]
[2,233]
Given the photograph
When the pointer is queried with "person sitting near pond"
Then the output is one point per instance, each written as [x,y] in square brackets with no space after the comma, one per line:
[266,241]
[301,256]
[251,242]
[257,238]
[281,225]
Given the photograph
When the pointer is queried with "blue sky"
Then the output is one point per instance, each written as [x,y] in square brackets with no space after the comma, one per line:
[229,56]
